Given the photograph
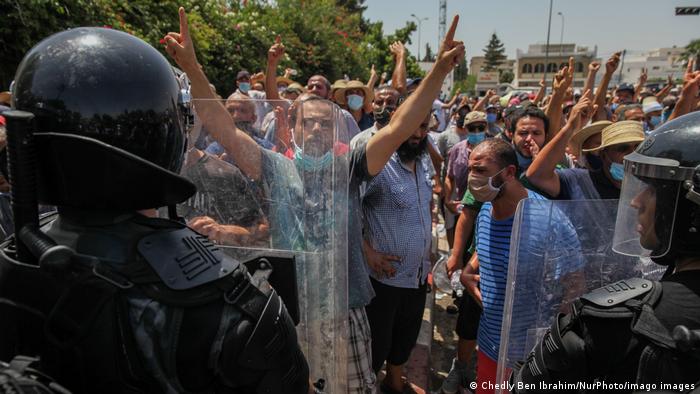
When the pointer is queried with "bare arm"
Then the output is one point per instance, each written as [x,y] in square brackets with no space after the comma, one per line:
[542,172]
[687,101]
[482,103]
[373,78]
[398,78]
[554,112]
[470,279]
[610,67]
[590,78]
[640,85]
[540,93]
[412,112]
[274,54]
[665,90]
[242,148]
[452,101]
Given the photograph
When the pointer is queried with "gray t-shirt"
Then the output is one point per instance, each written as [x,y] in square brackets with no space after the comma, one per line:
[445,141]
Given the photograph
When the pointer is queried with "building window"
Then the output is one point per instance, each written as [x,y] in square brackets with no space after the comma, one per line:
[579,67]
[552,68]
[527,68]
[539,68]
[655,68]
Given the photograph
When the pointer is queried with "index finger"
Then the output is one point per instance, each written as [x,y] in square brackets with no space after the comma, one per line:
[453,28]
[184,29]
[571,63]
[278,39]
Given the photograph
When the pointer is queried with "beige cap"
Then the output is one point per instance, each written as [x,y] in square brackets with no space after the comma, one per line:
[582,135]
[623,132]
[474,117]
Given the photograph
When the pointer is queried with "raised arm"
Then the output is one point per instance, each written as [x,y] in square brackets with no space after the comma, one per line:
[540,93]
[593,68]
[412,112]
[561,84]
[373,78]
[661,95]
[610,67]
[452,101]
[642,81]
[482,103]
[243,149]
[273,58]
[542,172]
[398,78]
[687,101]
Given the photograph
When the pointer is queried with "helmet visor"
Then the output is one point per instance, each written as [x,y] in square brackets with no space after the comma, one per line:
[645,215]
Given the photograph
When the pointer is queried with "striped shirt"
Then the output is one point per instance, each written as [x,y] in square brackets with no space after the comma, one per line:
[493,248]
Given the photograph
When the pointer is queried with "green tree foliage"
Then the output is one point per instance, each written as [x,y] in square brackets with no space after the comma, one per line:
[494,53]
[692,50]
[429,55]
[506,76]
[328,37]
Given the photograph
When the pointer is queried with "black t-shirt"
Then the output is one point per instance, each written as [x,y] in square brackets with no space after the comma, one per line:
[680,300]
[604,186]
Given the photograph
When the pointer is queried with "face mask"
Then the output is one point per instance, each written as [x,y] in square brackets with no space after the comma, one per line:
[310,163]
[475,138]
[655,121]
[491,118]
[523,162]
[383,115]
[482,186]
[594,162]
[244,87]
[617,171]
[614,106]
[355,102]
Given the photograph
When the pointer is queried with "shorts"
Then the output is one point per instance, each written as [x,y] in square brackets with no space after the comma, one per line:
[395,317]
[361,377]
[468,318]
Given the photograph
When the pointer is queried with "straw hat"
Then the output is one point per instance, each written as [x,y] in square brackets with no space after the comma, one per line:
[582,135]
[340,92]
[5,97]
[284,80]
[623,132]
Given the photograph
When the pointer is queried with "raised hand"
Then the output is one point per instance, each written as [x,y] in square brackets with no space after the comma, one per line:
[179,45]
[276,51]
[612,63]
[451,51]
[373,73]
[643,77]
[594,67]
[542,85]
[397,49]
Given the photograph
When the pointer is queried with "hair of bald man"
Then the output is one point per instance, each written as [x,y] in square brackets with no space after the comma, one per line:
[499,150]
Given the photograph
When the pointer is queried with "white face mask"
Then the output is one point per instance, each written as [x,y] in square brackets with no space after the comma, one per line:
[482,187]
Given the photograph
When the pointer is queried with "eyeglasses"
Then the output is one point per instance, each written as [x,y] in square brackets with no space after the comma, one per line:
[474,128]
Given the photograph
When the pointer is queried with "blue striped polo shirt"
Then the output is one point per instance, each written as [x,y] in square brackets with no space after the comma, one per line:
[493,248]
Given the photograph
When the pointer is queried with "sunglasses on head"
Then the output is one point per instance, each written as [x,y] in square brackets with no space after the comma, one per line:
[476,127]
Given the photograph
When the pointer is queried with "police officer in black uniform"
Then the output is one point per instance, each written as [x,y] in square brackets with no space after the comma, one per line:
[110,298]
[636,330]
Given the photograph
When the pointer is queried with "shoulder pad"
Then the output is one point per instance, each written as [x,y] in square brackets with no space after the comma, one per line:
[617,293]
[184,259]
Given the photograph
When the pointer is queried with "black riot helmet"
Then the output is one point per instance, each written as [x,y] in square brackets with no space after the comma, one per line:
[109,126]
[659,209]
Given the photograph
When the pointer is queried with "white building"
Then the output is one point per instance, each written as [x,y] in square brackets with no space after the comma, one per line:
[447,84]
[531,65]
[660,63]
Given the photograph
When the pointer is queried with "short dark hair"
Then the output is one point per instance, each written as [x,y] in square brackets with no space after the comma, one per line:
[386,87]
[503,152]
[531,111]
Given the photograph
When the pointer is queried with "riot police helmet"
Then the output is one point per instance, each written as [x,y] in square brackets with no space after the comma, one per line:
[659,209]
[109,122]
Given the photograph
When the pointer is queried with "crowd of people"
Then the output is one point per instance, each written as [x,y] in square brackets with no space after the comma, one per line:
[406,148]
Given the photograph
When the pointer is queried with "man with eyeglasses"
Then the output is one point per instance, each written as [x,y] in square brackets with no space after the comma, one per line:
[617,140]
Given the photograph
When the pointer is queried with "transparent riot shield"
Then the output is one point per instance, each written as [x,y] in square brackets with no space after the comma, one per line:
[280,190]
[559,251]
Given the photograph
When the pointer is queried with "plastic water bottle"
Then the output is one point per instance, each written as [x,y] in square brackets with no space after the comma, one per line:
[456,284]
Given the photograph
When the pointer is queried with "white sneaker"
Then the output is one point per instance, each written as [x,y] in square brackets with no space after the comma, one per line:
[458,377]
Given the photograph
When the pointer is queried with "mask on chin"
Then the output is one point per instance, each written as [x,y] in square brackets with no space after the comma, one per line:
[310,163]
[523,162]
[383,115]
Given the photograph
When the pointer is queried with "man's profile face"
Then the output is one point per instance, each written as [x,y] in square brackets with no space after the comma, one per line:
[241,110]
[624,96]
[317,86]
[314,129]
[529,132]
[645,204]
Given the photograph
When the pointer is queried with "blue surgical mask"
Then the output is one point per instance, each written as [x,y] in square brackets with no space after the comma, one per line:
[355,102]
[475,138]
[491,118]
[523,162]
[310,163]
[655,121]
[244,87]
[617,171]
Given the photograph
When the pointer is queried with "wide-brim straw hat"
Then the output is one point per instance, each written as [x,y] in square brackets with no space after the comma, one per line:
[585,133]
[623,132]
[340,92]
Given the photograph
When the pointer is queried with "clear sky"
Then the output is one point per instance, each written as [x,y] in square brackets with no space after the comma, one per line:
[611,24]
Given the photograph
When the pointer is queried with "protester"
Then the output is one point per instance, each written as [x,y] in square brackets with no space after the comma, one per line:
[355,97]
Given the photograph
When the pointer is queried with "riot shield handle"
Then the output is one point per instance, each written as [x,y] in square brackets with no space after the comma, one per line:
[22,168]
[50,255]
